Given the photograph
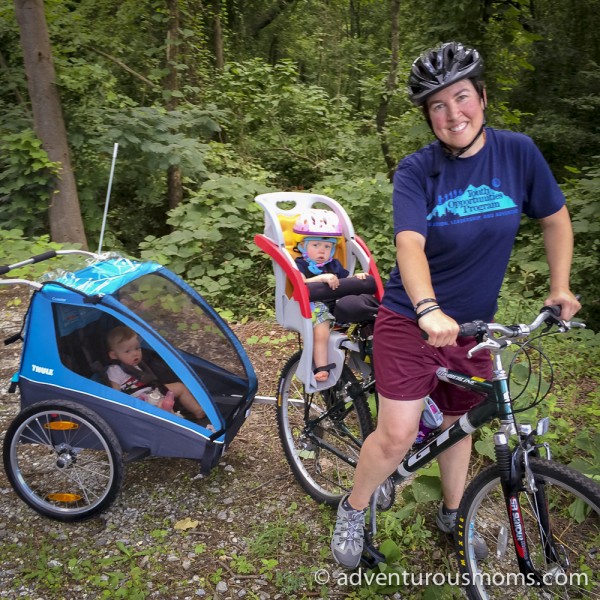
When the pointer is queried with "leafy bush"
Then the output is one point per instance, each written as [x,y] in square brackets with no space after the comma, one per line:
[26,180]
[212,246]
[15,247]
[296,130]
[528,273]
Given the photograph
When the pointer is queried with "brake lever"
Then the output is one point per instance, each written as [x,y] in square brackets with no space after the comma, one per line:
[490,344]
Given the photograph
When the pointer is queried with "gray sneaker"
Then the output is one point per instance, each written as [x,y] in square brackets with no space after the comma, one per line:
[348,536]
[446,522]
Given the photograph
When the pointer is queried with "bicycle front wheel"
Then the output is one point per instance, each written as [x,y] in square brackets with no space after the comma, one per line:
[573,512]
[63,460]
[322,433]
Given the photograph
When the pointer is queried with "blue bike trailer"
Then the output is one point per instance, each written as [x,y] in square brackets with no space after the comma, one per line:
[65,356]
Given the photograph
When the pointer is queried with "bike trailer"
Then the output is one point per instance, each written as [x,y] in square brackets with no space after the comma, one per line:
[64,356]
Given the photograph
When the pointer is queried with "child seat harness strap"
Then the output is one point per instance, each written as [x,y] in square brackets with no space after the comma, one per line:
[145,374]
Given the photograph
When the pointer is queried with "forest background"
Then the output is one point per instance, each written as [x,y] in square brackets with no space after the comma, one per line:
[215,101]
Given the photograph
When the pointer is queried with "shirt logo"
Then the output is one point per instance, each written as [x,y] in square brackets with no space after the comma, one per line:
[473,201]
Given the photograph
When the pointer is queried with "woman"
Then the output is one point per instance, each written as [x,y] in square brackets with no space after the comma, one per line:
[457,207]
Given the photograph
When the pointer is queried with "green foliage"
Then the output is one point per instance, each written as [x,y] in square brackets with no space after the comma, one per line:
[15,247]
[212,246]
[151,140]
[584,204]
[26,181]
[528,273]
[563,90]
[368,202]
[299,131]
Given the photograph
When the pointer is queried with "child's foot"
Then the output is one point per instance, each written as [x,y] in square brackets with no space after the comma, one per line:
[321,376]
[322,373]
[168,402]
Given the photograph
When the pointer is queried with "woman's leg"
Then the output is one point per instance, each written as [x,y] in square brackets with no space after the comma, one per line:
[454,467]
[384,449]
[381,453]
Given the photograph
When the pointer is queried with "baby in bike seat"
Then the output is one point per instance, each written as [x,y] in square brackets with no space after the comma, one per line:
[131,375]
[316,233]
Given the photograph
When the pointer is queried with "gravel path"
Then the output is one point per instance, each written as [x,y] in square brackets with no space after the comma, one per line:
[244,531]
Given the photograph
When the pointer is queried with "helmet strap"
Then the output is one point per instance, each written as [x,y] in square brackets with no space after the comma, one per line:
[453,154]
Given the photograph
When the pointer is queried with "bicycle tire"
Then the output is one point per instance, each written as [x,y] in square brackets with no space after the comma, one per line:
[574,515]
[321,473]
[63,460]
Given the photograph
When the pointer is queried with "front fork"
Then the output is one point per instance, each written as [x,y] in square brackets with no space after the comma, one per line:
[516,476]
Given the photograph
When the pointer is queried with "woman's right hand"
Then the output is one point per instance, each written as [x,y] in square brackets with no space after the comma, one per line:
[441,329]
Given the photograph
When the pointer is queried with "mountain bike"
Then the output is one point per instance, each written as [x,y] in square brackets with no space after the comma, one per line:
[548,511]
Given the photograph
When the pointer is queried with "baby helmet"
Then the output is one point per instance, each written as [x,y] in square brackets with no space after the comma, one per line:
[317,223]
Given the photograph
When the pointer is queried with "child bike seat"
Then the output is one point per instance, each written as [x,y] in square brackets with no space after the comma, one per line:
[292,294]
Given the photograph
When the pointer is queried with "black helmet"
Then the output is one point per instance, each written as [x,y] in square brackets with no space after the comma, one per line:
[440,67]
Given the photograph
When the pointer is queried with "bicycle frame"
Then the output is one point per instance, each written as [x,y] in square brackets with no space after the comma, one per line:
[496,404]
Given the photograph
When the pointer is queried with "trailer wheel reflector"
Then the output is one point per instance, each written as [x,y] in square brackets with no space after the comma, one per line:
[61,425]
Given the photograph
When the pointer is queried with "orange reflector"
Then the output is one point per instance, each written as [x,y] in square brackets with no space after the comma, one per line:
[64,497]
[61,425]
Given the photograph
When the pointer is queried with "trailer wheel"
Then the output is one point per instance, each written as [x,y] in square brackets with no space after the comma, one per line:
[63,460]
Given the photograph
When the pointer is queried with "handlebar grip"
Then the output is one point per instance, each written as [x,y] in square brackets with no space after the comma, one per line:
[554,309]
[465,330]
[469,329]
[4,269]
[43,256]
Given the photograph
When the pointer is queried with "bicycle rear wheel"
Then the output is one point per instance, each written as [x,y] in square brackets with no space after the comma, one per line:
[63,460]
[573,511]
[322,433]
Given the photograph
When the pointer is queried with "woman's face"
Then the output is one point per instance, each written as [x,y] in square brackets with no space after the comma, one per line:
[456,115]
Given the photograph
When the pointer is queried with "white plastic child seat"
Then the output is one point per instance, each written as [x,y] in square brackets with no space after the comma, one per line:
[292,304]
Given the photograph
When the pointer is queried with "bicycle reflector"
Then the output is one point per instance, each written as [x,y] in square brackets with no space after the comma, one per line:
[61,425]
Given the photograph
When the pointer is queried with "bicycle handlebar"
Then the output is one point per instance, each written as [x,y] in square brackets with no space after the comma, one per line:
[36,259]
[548,314]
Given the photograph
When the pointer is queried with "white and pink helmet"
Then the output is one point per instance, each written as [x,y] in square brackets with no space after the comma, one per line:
[317,222]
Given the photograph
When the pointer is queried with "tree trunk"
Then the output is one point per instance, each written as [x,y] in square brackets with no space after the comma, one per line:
[390,87]
[66,223]
[218,36]
[174,182]
[272,13]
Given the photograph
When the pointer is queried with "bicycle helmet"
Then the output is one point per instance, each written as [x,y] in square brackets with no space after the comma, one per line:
[316,224]
[440,67]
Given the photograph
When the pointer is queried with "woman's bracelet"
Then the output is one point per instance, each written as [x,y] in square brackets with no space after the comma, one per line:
[428,310]
[424,301]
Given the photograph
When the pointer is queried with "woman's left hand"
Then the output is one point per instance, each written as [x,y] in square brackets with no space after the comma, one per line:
[566,300]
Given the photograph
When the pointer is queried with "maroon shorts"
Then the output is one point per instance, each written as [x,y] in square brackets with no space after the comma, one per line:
[405,365]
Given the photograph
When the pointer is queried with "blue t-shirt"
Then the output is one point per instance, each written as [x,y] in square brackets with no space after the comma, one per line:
[469,210]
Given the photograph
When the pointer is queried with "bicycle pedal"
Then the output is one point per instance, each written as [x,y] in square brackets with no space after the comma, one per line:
[371,557]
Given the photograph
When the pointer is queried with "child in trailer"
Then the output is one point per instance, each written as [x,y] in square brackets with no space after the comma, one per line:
[316,233]
[131,375]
